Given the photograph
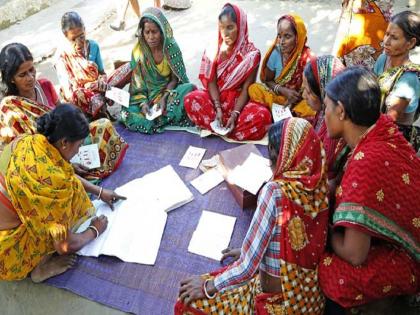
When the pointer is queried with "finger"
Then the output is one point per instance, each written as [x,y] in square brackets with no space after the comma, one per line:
[183,296]
[226,250]
[120,197]
[185,281]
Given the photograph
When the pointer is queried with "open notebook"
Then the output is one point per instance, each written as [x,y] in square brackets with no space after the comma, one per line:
[136,226]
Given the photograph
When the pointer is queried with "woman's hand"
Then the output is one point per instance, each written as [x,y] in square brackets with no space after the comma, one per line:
[145,109]
[219,116]
[162,104]
[293,97]
[102,83]
[80,170]
[234,253]
[191,290]
[232,121]
[110,197]
[100,223]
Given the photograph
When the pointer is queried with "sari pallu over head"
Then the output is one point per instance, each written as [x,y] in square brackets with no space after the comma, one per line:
[49,200]
[380,190]
[243,59]
[291,75]
[301,175]
[147,83]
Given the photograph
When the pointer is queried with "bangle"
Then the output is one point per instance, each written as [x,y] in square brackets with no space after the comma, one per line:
[100,193]
[93,228]
[210,297]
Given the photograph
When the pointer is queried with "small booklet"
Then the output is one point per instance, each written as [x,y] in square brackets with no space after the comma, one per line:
[252,174]
[154,112]
[192,157]
[207,181]
[118,96]
[223,131]
[280,112]
[88,156]
[212,235]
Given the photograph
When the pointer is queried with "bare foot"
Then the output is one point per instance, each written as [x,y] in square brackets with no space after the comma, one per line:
[52,266]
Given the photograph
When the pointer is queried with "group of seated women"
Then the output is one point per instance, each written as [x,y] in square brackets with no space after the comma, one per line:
[338,220]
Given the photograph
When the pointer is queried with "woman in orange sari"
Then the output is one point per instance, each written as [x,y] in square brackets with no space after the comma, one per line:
[276,268]
[282,68]
[375,238]
[361,31]
[28,98]
[80,70]
[226,79]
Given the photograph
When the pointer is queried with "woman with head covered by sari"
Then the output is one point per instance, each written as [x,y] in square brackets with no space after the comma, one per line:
[282,68]
[159,80]
[226,79]
[275,271]
[375,238]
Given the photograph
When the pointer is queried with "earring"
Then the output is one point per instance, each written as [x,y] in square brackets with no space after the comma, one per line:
[64,147]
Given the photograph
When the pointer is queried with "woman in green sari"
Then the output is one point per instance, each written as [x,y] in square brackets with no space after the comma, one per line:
[159,80]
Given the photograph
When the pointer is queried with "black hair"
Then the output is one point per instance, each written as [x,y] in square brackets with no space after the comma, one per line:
[274,140]
[358,90]
[229,11]
[142,23]
[409,22]
[66,121]
[71,20]
[312,81]
[294,30]
[11,58]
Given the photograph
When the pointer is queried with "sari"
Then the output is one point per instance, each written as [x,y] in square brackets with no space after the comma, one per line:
[78,78]
[18,116]
[48,199]
[149,81]
[291,75]
[230,74]
[379,195]
[300,175]
[325,68]
[361,31]
[387,82]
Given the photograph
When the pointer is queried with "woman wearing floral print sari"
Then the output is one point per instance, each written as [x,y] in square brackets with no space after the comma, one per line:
[282,68]
[81,72]
[159,79]
[46,201]
[276,270]
[361,30]
[28,98]
[375,239]
[226,76]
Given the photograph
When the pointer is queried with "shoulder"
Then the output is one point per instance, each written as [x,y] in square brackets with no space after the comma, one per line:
[93,44]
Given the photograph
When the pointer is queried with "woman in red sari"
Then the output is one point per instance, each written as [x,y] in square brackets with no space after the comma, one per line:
[276,268]
[226,79]
[376,222]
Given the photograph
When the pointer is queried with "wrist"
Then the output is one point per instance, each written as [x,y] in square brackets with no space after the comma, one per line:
[209,289]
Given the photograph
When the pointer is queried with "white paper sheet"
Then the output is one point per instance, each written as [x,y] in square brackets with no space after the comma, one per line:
[192,157]
[223,131]
[118,96]
[252,174]
[155,112]
[136,226]
[212,235]
[88,156]
[207,181]
[280,112]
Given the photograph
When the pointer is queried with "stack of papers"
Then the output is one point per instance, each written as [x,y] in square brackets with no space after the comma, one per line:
[119,96]
[136,226]
[154,112]
[280,112]
[207,180]
[192,157]
[252,174]
[88,156]
[223,131]
[212,235]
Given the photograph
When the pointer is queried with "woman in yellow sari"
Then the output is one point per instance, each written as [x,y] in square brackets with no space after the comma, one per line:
[282,68]
[47,202]
[28,98]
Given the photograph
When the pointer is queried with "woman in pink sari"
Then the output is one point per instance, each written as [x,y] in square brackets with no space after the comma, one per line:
[226,79]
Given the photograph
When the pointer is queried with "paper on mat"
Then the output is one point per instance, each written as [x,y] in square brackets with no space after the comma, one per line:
[252,174]
[207,181]
[88,156]
[136,226]
[119,96]
[154,112]
[280,112]
[212,235]
[192,157]
[223,131]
